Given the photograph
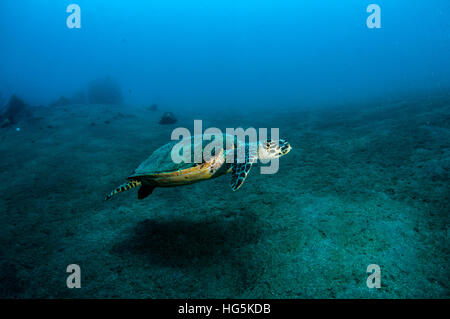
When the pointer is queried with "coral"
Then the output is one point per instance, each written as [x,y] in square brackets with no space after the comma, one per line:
[104,91]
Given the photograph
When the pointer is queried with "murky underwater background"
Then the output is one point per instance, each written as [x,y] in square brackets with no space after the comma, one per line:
[367,112]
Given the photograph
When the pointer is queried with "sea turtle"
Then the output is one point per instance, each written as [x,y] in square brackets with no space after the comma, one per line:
[160,170]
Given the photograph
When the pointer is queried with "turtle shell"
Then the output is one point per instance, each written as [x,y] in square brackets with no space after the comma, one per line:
[161,159]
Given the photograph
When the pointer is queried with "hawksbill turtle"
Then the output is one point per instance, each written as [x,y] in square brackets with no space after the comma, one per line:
[159,170]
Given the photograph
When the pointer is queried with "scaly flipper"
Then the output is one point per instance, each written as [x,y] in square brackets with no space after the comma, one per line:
[124,187]
[241,170]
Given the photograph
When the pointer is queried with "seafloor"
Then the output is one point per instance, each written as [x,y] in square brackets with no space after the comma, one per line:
[364,184]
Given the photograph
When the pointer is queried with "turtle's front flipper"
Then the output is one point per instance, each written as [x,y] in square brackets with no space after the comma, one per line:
[240,170]
[124,187]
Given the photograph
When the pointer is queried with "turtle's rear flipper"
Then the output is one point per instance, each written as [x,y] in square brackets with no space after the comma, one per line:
[145,190]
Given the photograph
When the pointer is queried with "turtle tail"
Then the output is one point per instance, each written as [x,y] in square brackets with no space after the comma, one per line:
[123,188]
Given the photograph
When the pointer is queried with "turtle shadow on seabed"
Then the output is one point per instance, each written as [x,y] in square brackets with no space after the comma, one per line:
[187,243]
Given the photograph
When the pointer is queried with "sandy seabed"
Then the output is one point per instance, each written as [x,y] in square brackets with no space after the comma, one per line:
[362,185]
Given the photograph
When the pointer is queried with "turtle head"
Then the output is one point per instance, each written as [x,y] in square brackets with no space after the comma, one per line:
[273,149]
